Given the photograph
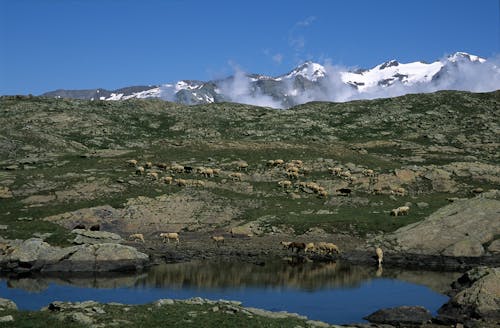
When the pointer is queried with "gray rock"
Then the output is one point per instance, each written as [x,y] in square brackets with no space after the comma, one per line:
[164,301]
[95,237]
[494,247]
[6,304]
[401,316]
[6,318]
[422,205]
[457,229]
[81,318]
[479,297]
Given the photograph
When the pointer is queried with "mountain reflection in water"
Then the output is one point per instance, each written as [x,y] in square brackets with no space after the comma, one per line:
[332,292]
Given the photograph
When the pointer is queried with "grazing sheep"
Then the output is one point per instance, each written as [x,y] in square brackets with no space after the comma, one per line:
[162,166]
[132,162]
[148,165]
[168,180]
[380,255]
[331,248]
[177,168]
[207,172]
[181,182]
[297,247]
[170,235]
[152,175]
[218,240]
[292,175]
[139,170]
[285,244]
[216,172]
[402,210]
[335,170]
[309,247]
[242,165]
[368,173]
[278,162]
[322,193]
[137,237]
[346,174]
[285,184]
[399,191]
[95,227]
[297,162]
[236,176]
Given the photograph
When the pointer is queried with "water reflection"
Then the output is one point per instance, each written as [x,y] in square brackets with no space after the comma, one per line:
[333,292]
[288,272]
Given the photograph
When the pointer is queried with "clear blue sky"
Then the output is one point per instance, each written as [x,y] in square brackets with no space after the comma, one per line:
[77,44]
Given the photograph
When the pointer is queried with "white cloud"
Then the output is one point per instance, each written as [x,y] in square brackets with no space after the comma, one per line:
[278,58]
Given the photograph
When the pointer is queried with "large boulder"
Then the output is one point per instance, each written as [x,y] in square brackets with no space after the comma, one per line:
[95,237]
[36,255]
[458,229]
[402,316]
[6,304]
[478,297]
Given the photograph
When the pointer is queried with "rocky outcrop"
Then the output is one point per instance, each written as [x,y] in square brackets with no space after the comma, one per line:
[459,229]
[95,237]
[402,316]
[36,255]
[6,304]
[477,296]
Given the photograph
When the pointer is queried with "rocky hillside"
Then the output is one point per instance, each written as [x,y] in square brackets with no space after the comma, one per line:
[64,162]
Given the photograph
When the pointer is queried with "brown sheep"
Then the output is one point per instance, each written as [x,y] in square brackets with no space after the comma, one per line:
[170,235]
[137,237]
[218,240]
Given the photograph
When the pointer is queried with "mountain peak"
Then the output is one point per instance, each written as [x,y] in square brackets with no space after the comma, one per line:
[460,55]
[389,63]
[309,70]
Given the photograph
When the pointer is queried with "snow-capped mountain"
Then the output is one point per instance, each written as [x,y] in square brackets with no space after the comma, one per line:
[312,81]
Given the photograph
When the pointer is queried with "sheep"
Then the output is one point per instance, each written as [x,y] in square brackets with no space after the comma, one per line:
[218,240]
[79,226]
[196,183]
[368,173]
[177,168]
[162,166]
[380,255]
[236,176]
[322,193]
[137,237]
[207,172]
[216,172]
[296,247]
[270,162]
[331,247]
[242,165]
[285,244]
[297,162]
[400,191]
[292,175]
[346,174]
[278,162]
[139,170]
[402,210]
[148,165]
[181,182]
[335,170]
[285,184]
[132,162]
[153,175]
[170,235]
[168,180]
[309,247]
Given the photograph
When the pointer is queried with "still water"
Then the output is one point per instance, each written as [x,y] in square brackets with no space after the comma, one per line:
[332,292]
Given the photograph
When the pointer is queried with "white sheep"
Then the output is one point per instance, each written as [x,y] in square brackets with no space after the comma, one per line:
[380,255]
[335,170]
[153,175]
[218,240]
[242,165]
[139,170]
[137,237]
[400,191]
[148,165]
[285,244]
[181,182]
[132,162]
[177,168]
[309,247]
[236,176]
[285,184]
[368,173]
[168,180]
[170,235]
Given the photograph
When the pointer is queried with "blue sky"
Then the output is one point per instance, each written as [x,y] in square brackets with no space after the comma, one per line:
[77,44]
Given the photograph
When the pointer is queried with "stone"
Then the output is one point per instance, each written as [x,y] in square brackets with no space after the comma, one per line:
[401,316]
[405,175]
[6,304]
[494,247]
[5,192]
[422,205]
[457,229]
[6,318]
[478,297]
[95,237]
[164,301]
[81,318]
[3,227]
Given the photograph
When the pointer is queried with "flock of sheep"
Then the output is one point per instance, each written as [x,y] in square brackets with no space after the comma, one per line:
[293,170]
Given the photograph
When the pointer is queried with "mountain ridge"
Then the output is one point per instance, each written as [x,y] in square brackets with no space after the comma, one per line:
[311,81]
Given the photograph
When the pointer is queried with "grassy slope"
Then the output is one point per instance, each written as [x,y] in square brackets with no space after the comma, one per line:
[48,136]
